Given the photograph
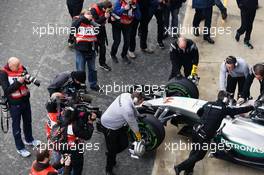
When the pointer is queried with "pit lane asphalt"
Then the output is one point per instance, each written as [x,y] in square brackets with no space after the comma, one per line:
[49,55]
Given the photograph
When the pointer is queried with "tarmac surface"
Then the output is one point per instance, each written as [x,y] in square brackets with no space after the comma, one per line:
[46,56]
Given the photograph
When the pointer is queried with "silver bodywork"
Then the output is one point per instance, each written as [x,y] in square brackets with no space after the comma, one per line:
[240,130]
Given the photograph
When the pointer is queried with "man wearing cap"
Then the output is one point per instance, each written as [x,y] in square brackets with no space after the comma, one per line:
[68,82]
[233,72]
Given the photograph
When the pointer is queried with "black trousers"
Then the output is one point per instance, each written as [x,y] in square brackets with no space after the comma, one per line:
[232,82]
[101,45]
[133,34]
[201,14]
[117,29]
[18,112]
[176,69]
[116,142]
[75,7]
[144,27]
[196,154]
[76,162]
[247,19]
[160,24]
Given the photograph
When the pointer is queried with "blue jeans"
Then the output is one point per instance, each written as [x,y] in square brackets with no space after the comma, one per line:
[83,58]
[220,5]
[17,112]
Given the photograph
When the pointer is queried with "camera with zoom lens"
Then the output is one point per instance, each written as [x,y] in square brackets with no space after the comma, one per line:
[30,78]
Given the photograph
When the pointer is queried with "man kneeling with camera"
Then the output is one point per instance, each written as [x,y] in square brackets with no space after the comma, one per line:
[14,80]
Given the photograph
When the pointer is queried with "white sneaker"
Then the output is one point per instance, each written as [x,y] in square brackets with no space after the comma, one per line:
[24,152]
[131,54]
[34,143]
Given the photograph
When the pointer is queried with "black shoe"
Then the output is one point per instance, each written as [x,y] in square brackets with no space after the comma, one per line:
[114,58]
[209,40]
[105,67]
[248,44]
[188,173]
[237,37]
[161,45]
[95,88]
[196,31]
[126,60]
[177,171]
[224,14]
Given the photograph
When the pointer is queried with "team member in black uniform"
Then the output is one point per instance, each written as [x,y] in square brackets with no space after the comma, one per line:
[211,118]
[184,53]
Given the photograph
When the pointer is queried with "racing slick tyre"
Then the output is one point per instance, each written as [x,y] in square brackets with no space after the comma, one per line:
[182,87]
[152,131]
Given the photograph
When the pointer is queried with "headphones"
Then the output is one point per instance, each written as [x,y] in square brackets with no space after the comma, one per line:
[231,60]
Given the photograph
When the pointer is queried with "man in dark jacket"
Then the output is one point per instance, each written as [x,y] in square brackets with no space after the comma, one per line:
[172,7]
[248,12]
[184,53]
[100,16]
[14,84]
[67,82]
[211,119]
[203,10]
[257,71]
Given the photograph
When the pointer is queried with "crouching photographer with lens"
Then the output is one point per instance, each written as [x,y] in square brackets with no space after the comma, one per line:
[69,125]
[14,80]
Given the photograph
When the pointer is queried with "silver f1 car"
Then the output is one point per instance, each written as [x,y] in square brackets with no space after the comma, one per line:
[243,137]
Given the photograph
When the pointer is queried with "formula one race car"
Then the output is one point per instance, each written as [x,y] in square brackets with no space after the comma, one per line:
[243,137]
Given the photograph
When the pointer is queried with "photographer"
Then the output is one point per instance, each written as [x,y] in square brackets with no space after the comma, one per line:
[15,89]
[86,38]
[128,10]
[100,12]
[42,164]
[68,82]
[74,125]
[120,113]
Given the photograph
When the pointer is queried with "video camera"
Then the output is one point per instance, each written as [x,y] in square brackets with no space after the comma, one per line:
[30,78]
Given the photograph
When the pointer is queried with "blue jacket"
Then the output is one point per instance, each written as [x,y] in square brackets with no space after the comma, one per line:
[200,4]
[119,11]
